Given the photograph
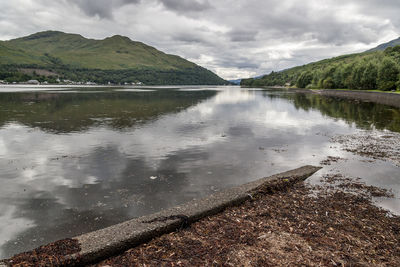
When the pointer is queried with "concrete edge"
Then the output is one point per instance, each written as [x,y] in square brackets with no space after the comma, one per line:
[115,239]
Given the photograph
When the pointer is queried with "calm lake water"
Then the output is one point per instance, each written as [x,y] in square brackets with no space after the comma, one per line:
[73,160]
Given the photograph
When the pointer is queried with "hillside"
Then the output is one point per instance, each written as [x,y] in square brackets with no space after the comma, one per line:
[116,59]
[364,71]
[382,47]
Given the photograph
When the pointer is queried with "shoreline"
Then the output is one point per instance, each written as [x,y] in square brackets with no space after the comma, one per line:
[104,243]
[384,98]
[334,224]
[286,221]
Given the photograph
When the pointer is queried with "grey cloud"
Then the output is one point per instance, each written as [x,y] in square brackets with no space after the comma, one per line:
[232,60]
[189,38]
[243,35]
[101,8]
[182,6]
[234,38]
[326,23]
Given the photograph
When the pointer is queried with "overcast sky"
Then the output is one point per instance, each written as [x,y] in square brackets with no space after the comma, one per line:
[234,38]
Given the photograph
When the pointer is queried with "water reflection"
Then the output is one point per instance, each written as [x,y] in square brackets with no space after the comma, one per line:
[71,163]
[365,115]
[69,111]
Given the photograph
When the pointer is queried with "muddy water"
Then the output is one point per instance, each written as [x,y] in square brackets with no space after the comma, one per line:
[74,160]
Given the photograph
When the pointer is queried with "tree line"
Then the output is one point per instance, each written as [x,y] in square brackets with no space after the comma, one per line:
[366,71]
[189,76]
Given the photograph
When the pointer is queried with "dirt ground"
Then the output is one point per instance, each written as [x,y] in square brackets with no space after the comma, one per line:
[334,224]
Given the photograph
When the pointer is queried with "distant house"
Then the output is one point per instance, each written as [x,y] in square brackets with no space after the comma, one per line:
[33,82]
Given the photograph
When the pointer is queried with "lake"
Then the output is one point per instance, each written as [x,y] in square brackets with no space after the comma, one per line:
[76,159]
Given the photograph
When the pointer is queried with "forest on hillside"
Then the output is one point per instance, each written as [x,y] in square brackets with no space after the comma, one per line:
[366,71]
[191,76]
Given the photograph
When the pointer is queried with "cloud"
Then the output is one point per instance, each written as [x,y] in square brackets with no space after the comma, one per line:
[183,6]
[232,38]
[101,8]
[245,35]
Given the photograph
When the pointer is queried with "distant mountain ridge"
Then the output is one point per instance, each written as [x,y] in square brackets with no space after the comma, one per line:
[236,81]
[382,47]
[116,59]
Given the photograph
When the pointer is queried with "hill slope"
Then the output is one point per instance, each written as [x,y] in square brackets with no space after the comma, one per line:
[115,59]
[368,70]
[382,47]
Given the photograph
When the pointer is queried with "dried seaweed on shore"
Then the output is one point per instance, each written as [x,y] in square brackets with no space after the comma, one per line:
[329,160]
[289,227]
[354,185]
[48,255]
[372,145]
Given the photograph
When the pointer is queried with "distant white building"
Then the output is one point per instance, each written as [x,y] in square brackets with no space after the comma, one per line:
[33,82]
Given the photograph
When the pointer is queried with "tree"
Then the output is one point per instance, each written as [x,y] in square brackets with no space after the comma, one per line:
[328,83]
[346,75]
[357,75]
[387,75]
[370,75]
[304,79]
[338,77]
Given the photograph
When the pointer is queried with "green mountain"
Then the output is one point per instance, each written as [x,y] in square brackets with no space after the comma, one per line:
[382,47]
[115,59]
[364,71]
